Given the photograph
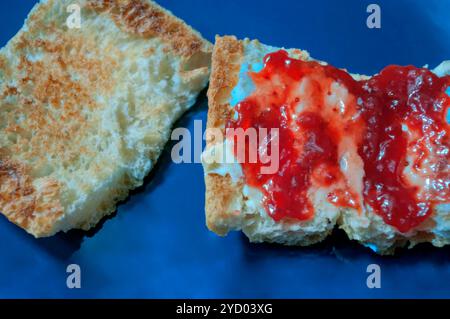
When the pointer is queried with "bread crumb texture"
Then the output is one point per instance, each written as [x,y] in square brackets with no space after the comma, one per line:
[85,113]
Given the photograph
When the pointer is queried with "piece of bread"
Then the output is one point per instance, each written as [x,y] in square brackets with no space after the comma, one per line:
[231,204]
[85,112]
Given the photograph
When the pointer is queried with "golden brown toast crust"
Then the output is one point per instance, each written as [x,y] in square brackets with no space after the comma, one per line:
[220,190]
[147,19]
[227,56]
[22,203]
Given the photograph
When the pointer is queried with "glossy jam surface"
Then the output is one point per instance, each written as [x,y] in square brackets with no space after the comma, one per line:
[393,123]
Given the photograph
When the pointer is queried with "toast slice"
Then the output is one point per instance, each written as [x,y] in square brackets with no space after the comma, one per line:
[234,203]
[85,112]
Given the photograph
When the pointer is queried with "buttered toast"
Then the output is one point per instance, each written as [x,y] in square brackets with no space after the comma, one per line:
[367,154]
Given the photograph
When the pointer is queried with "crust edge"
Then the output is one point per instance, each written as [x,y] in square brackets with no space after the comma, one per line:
[220,190]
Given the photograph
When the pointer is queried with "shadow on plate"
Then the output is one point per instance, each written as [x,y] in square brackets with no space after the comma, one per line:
[337,246]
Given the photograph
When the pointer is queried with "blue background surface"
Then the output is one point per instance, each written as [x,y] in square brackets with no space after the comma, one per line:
[157,244]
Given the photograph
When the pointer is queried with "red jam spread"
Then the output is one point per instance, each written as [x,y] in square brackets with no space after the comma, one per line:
[394,122]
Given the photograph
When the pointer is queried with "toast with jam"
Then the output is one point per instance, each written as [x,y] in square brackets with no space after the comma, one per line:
[370,155]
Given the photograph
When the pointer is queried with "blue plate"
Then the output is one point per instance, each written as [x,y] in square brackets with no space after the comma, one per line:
[157,244]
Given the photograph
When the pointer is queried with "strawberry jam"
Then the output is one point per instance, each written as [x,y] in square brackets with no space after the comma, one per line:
[393,125]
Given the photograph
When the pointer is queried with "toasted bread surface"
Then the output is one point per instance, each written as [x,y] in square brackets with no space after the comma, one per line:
[85,112]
